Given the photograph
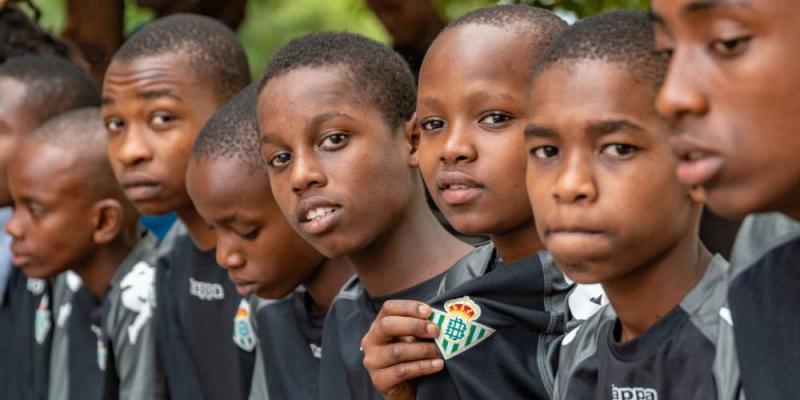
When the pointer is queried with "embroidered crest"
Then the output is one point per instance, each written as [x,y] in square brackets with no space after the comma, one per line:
[458,329]
[243,334]
[43,320]
[35,286]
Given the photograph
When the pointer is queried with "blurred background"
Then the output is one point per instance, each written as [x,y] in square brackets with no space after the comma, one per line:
[98,27]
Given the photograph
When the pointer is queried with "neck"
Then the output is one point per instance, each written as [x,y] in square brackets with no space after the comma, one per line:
[202,235]
[325,284]
[651,291]
[520,242]
[98,272]
[414,250]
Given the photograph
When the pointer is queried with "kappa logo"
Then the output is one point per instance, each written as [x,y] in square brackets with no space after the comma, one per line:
[243,334]
[458,329]
[206,290]
[137,289]
[43,320]
[633,393]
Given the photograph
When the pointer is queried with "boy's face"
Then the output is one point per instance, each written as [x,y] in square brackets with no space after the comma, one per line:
[51,228]
[601,174]
[153,108]
[15,120]
[471,114]
[338,172]
[733,88]
[255,243]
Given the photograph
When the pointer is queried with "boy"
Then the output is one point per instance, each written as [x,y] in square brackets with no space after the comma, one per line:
[262,253]
[32,89]
[70,214]
[597,146]
[733,91]
[471,113]
[160,88]
[335,116]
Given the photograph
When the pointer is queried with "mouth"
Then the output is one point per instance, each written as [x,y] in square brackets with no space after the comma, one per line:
[244,287]
[20,259]
[695,165]
[140,188]
[317,215]
[457,188]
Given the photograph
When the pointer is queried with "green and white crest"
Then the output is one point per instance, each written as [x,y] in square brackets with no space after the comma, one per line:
[458,329]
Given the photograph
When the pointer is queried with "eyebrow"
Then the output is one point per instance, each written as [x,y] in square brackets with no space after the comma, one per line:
[484,96]
[107,101]
[322,118]
[541,131]
[700,6]
[155,94]
[607,127]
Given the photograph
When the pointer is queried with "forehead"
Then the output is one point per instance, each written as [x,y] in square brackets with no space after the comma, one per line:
[45,168]
[12,99]
[137,78]
[590,89]
[478,52]
[300,97]
[666,11]
[228,185]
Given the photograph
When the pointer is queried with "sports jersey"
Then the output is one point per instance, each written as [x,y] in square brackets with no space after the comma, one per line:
[496,330]
[672,360]
[203,356]
[758,234]
[290,347]
[763,302]
[342,373]
[70,328]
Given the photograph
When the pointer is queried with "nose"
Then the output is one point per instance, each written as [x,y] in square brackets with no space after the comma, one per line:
[680,94]
[228,256]
[132,147]
[15,226]
[306,174]
[457,148]
[576,182]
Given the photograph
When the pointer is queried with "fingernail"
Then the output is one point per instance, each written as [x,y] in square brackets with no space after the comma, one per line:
[437,363]
[432,329]
[424,310]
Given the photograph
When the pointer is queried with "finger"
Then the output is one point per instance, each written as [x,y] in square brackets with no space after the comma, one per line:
[388,378]
[385,356]
[395,327]
[405,308]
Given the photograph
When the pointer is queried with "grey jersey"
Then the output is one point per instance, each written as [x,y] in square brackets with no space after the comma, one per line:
[758,234]
[132,371]
[65,287]
[671,360]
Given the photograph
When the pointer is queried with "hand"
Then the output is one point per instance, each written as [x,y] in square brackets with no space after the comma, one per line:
[392,353]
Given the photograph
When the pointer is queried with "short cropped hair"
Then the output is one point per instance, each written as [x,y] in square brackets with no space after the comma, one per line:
[53,85]
[211,50]
[376,72]
[20,35]
[622,36]
[81,132]
[232,132]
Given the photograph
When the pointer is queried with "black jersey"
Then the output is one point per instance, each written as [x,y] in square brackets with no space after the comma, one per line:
[290,346]
[673,360]
[203,356]
[496,331]
[342,372]
[25,336]
[764,300]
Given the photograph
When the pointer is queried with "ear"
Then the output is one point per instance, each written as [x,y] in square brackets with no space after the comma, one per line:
[411,133]
[697,194]
[108,218]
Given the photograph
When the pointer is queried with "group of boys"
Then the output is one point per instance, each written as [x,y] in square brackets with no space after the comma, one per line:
[306,262]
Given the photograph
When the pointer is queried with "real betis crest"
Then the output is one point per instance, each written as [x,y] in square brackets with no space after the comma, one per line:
[459,330]
[243,334]
[43,320]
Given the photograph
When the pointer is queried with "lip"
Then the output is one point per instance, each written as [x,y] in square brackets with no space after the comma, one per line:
[244,287]
[319,225]
[696,164]
[19,259]
[467,188]
[139,187]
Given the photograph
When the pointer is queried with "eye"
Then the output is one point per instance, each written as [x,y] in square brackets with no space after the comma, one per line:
[280,160]
[619,150]
[495,118]
[544,152]
[114,125]
[36,210]
[431,124]
[161,120]
[249,235]
[727,48]
[333,141]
